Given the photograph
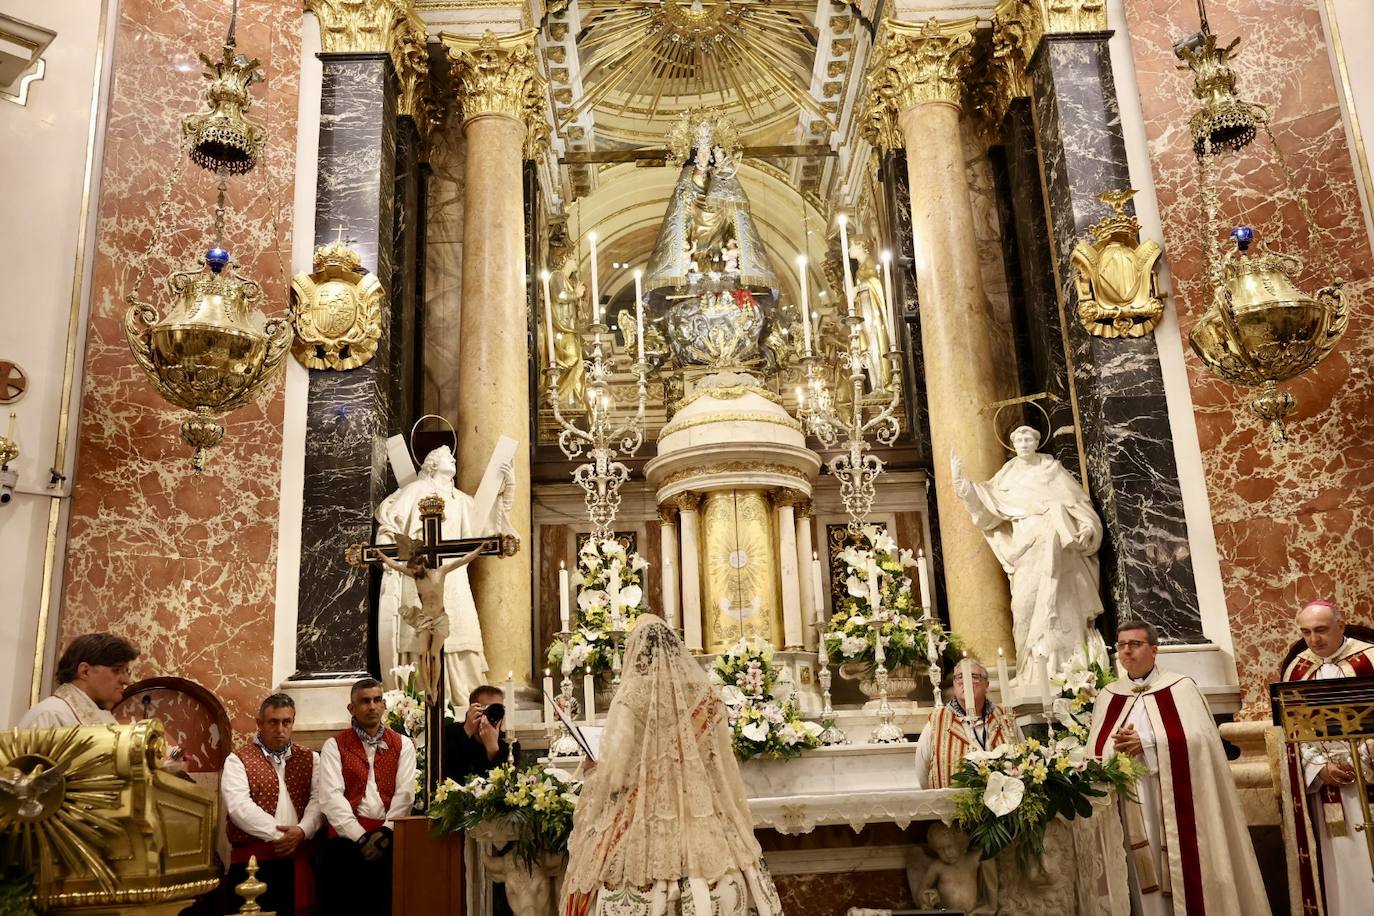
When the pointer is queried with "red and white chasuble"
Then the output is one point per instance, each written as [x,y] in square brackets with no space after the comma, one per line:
[946,739]
[1190,846]
[1332,875]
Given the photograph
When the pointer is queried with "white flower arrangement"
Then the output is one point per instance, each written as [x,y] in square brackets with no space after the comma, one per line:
[610,597]
[878,596]
[1079,680]
[536,801]
[764,724]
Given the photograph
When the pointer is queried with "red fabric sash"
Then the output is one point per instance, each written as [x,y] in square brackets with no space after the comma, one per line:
[1309,859]
[1361,664]
[303,874]
[1114,707]
[1301,668]
[1184,814]
[368,824]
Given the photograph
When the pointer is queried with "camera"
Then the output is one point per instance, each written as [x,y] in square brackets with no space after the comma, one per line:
[495,712]
[8,479]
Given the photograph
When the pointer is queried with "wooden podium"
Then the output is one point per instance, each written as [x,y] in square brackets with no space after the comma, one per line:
[427,871]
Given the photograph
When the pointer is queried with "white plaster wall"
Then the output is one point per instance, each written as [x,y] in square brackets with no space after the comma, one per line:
[1214,669]
[49,157]
[1349,28]
[292,496]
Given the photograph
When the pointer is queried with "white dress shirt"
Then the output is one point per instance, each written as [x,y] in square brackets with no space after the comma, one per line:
[248,817]
[336,807]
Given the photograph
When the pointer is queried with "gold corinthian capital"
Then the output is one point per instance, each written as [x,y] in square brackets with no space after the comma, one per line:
[382,26]
[498,75]
[917,64]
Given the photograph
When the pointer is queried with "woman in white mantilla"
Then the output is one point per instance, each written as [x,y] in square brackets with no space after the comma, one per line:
[662,825]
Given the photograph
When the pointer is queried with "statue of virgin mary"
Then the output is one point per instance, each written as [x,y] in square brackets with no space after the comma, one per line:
[663,825]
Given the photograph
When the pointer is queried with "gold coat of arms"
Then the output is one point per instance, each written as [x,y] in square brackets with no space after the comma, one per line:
[336,310]
[1115,275]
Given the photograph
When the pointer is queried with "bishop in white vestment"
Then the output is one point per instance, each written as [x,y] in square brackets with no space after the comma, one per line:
[1190,849]
[1324,804]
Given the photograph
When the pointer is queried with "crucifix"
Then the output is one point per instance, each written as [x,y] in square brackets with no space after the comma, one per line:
[428,561]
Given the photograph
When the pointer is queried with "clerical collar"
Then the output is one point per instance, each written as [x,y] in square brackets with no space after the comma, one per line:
[1331,659]
[278,757]
[1145,678]
[378,742]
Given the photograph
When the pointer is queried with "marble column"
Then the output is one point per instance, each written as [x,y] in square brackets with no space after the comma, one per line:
[920,71]
[1117,384]
[785,502]
[668,559]
[687,505]
[496,83]
[810,611]
[350,413]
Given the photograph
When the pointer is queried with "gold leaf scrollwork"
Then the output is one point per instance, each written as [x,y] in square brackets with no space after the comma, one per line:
[1115,274]
[390,26]
[914,64]
[498,75]
[336,311]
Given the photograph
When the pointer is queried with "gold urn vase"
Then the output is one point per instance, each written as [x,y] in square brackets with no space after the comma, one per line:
[213,350]
[1261,329]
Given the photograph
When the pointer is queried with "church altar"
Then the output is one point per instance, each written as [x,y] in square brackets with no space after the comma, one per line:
[802,807]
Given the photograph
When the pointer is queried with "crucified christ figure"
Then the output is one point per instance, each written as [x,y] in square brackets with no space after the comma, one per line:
[428,618]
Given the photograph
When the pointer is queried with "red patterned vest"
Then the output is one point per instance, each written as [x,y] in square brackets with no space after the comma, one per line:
[353,759]
[262,785]
[952,741]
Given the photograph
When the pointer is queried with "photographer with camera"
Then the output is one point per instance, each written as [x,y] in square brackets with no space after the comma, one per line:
[478,743]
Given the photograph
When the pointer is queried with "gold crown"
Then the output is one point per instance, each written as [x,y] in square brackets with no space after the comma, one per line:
[1120,225]
[338,254]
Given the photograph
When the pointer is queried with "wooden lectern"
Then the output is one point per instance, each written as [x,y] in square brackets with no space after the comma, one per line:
[428,871]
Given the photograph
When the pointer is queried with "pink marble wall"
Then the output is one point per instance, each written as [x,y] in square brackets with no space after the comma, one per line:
[1294,521]
[183,565]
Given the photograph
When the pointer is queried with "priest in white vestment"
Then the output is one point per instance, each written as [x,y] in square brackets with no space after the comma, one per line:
[465,663]
[1189,845]
[91,677]
[1041,524]
[1325,809]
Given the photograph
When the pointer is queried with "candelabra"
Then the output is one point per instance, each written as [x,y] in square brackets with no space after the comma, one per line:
[617,640]
[605,440]
[934,646]
[886,731]
[562,743]
[875,414]
[831,733]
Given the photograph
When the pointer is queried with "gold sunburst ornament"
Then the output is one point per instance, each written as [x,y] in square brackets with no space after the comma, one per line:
[648,57]
[57,804]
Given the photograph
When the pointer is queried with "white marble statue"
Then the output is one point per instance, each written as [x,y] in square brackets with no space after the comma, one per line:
[1042,526]
[399,643]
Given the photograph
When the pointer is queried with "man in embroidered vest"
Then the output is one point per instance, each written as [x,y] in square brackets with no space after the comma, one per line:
[1190,850]
[272,809]
[92,675]
[1332,874]
[946,738]
[367,780]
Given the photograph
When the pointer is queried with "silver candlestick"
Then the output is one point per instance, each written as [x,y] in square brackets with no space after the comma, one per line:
[563,744]
[886,731]
[617,639]
[933,650]
[831,734]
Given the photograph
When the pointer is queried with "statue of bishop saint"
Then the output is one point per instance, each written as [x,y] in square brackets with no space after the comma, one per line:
[399,643]
[1042,526]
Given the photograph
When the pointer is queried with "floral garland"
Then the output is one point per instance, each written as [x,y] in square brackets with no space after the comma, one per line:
[850,633]
[405,713]
[537,802]
[1079,681]
[610,596]
[1013,791]
[763,724]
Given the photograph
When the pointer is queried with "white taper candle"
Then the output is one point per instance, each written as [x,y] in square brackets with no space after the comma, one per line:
[548,315]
